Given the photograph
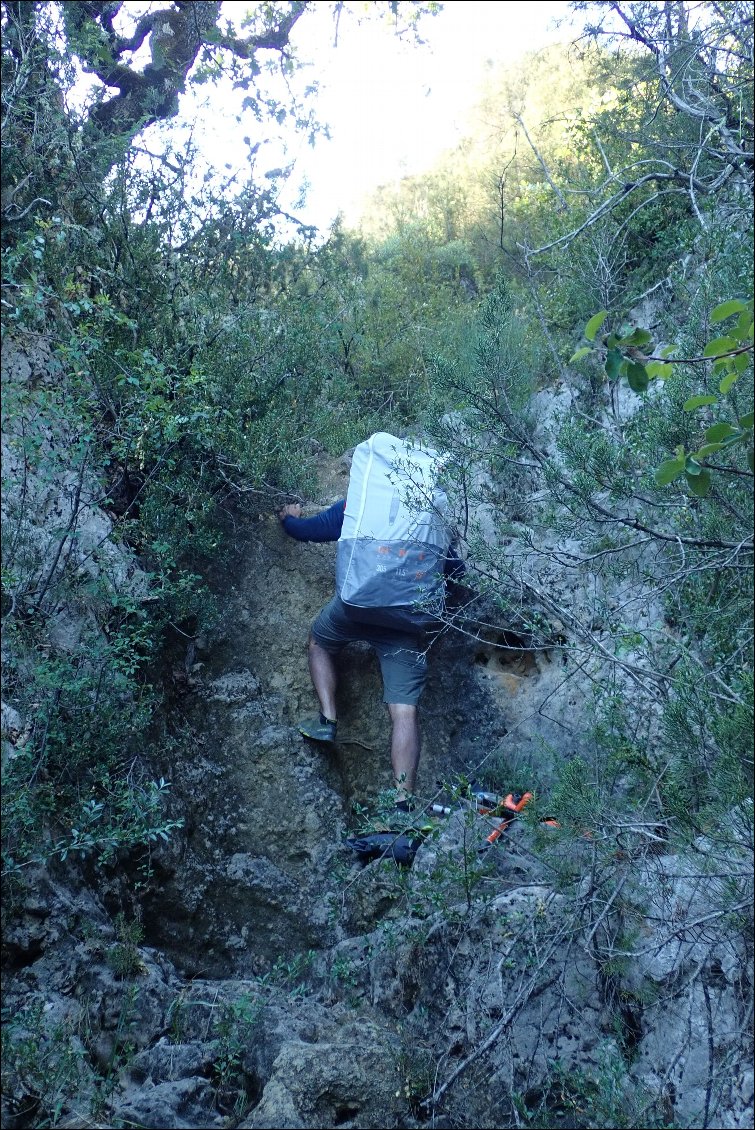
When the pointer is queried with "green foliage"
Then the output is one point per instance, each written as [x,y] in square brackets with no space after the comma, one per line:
[168,414]
[706,754]
[600,1096]
[416,1070]
[122,1051]
[44,1064]
[233,1030]
[234,1024]
[67,784]
[489,375]
[628,353]
[123,957]
[287,974]
[457,883]
[576,798]
[47,1068]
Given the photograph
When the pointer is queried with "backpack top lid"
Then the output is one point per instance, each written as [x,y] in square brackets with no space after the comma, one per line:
[393,493]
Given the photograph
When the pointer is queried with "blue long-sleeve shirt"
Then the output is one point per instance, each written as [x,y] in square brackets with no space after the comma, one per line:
[327,525]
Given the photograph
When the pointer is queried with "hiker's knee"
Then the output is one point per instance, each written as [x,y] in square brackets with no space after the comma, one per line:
[403,713]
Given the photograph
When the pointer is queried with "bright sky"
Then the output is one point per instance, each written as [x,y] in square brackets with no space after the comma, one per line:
[392,108]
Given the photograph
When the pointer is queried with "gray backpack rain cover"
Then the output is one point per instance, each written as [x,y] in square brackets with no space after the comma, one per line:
[395,535]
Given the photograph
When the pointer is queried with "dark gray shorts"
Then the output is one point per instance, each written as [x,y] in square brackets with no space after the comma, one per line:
[403,662]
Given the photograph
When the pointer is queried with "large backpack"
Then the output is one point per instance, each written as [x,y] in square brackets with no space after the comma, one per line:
[395,537]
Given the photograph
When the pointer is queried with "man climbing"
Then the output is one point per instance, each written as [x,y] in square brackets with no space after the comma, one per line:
[396,634]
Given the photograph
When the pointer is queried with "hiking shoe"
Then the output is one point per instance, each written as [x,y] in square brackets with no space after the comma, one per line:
[320,729]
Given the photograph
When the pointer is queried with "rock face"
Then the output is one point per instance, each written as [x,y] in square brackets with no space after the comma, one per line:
[268,810]
[270,979]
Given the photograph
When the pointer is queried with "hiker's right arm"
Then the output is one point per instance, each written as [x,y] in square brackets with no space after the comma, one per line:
[325,526]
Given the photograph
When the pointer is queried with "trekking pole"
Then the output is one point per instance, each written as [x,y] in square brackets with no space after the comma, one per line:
[506,809]
[512,805]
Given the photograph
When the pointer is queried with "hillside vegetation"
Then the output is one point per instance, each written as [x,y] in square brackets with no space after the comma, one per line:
[175,366]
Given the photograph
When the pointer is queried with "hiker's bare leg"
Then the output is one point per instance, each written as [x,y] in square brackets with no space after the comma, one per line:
[405,747]
[322,670]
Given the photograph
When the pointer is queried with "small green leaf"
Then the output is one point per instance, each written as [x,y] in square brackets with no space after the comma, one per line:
[699,484]
[728,381]
[594,324]
[668,471]
[691,466]
[743,329]
[614,362]
[742,362]
[747,420]
[726,309]
[659,369]
[719,346]
[668,350]
[707,449]
[719,431]
[637,377]
[637,337]
[580,354]
[697,402]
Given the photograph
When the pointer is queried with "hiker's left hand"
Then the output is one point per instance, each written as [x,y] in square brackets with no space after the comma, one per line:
[290,510]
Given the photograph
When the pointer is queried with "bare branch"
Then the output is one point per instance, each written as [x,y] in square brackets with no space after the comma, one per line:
[520,121]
